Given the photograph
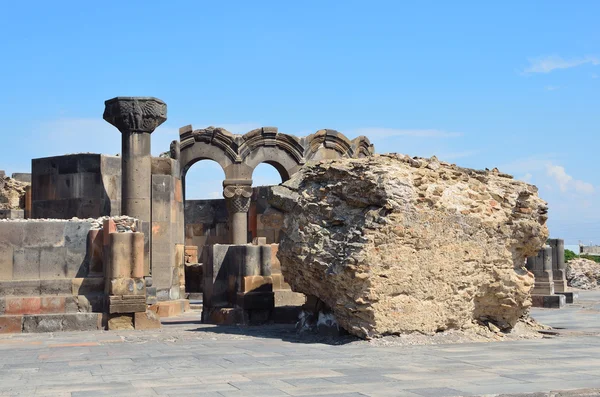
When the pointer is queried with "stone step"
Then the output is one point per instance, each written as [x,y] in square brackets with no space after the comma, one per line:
[196,306]
[30,323]
[61,286]
[54,304]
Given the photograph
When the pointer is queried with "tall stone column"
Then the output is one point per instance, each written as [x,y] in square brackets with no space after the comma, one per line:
[136,118]
[559,269]
[237,196]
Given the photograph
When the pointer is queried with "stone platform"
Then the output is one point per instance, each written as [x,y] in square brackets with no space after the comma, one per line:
[187,358]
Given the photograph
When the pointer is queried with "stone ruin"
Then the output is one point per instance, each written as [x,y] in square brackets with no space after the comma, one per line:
[110,242]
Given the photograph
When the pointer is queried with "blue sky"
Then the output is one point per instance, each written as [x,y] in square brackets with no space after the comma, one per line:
[513,85]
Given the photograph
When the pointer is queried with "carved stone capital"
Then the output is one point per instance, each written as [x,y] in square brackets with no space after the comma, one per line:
[135,114]
[237,197]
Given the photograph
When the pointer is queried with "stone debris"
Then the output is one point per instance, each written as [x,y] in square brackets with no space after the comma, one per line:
[12,193]
[123,223]
[583,273]
[395,244]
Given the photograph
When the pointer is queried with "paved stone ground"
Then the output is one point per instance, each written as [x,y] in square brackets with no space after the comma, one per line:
[191,359]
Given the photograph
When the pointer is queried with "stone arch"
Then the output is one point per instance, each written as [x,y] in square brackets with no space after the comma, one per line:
[327,144]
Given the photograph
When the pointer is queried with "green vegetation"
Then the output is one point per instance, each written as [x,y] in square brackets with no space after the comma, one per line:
[571,255]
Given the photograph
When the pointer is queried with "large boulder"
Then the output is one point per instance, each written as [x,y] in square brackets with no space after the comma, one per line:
[395,244]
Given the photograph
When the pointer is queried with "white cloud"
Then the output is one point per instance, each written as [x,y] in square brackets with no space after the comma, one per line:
[566,182]
[375,132]
[584,187]
[527,178]
[554,62]
[551,87]
[559,174]
[594,76]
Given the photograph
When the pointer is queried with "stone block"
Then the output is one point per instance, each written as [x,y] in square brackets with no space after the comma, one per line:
[72,304]
[55,286]
[120,322]
[255,300]
[12,214]
[289,298]
[221,316]
[88,285]
[2,305]
[126,255]
[11,324]
[548,301]
[127,286]
[6,261]
[20,288]
[90,303]
[52,304]
[62,322]
[259,241]
[44,234]
[23,305]
[169,308]
[26,263]
[12,233]
[22,177]
[127,304]
[53,262]
[82,321]
[146,320]
[570,297]
[256,284]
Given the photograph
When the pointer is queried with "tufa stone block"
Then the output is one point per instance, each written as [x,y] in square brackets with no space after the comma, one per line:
[120,322]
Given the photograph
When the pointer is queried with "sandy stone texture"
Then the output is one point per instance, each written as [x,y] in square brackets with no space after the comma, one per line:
[583,273]
[395,244]
[12,193]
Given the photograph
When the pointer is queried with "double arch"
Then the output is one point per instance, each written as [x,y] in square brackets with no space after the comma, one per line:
[239,155]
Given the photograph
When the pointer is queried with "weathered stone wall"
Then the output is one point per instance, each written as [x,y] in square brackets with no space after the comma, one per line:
[77,185]
[397,244]
[43,249]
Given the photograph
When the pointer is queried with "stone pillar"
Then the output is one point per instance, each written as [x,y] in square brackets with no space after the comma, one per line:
[541,267]
[558,264]
[136,118]
[237,196]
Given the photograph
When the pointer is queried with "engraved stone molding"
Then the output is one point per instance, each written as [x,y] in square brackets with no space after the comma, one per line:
[135,114]
[237,197]
[330,139]
[270,137]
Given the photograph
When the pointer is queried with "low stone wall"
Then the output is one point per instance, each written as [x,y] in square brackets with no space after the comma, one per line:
[43,249]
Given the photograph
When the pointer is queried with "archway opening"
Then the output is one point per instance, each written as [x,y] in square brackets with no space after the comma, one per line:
[205,217]
[263,220]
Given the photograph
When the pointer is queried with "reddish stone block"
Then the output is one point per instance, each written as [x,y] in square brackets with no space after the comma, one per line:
[30,305]
[109,227]
[52,304]
[178,191]
[11,324]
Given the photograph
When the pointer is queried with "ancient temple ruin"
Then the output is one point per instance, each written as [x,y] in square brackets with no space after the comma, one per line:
[107,237]
[93,241]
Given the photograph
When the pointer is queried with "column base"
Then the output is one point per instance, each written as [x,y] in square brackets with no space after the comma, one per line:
[548,301]
[570,296]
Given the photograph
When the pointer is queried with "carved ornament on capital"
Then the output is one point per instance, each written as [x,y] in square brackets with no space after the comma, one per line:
[237,197]
[135,114]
